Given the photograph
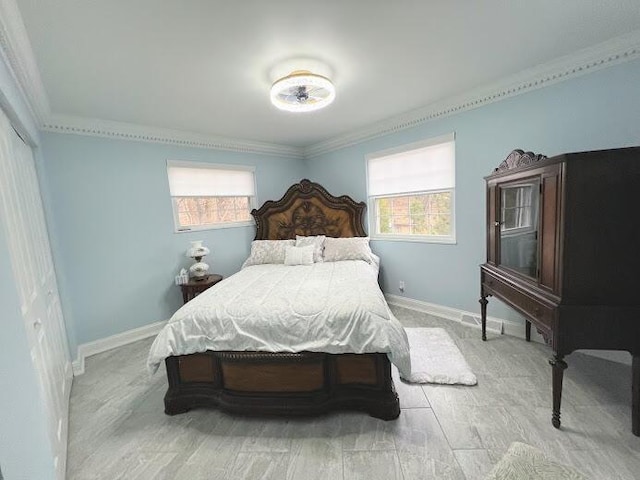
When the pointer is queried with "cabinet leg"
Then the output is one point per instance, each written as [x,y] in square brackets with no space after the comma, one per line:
[635,401]
[483,314]
[527,331]
[558,365]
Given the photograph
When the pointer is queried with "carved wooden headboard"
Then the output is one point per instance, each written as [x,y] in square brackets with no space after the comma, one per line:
[308,209]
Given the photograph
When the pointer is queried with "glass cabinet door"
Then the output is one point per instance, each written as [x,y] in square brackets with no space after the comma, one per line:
[519,227]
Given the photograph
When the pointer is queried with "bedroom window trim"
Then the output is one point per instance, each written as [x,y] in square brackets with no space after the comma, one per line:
[372,199]
[252,195]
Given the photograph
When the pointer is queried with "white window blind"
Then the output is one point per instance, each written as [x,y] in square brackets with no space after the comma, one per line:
[426,168]
[186,180]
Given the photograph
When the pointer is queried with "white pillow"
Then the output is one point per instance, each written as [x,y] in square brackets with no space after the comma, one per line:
[317,242]
[299,255]
[352,248]
[267,251]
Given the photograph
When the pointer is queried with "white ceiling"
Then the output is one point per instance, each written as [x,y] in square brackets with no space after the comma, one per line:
[203,66]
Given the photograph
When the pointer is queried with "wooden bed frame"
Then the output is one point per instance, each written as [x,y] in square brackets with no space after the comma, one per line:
[306,383]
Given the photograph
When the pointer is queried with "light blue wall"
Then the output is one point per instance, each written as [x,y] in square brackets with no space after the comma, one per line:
[117,253]
[115,243]
[25,452]
[596,111]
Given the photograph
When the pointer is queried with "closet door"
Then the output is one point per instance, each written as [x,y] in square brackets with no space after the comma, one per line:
[22,218]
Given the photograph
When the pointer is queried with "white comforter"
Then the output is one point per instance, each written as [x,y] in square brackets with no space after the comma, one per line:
[333,307]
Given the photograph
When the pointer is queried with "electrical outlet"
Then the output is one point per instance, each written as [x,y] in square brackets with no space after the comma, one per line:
[401,286]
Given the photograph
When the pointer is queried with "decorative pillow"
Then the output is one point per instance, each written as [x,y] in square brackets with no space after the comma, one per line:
[267,251]
[317,242]
[299,255]
[352,248]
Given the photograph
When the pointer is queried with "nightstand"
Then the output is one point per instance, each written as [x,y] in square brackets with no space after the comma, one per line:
[194,287]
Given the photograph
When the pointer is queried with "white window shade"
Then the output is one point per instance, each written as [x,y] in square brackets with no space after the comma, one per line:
[191,181]
[418,170]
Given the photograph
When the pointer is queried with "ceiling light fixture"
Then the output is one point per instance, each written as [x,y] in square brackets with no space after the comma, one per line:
[302,91]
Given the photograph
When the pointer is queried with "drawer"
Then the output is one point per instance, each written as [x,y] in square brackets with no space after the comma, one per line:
[536,311]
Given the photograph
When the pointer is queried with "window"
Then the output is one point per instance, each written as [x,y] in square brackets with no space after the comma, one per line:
[519,210]
[412,192]
[210,196]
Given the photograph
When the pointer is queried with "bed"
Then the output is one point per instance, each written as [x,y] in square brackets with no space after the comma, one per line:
[288,381]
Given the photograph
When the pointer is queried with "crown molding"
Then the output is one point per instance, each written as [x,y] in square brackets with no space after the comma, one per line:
[612,52]
[17,53]
[128,131]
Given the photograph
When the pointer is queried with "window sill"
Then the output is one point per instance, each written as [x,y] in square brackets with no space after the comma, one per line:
[414,238]
[200,228]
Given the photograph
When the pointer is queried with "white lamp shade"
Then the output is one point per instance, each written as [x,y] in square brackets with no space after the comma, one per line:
[197,250]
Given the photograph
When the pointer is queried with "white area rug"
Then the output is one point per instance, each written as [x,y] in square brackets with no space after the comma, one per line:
[523,462]
[435,358]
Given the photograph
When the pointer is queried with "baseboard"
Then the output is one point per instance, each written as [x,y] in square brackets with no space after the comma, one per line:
[495,325]
[469,319]
[114,341]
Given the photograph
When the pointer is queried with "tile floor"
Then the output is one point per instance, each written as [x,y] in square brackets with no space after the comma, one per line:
[118,429]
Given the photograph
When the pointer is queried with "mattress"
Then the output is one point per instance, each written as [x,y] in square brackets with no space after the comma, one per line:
[331,307]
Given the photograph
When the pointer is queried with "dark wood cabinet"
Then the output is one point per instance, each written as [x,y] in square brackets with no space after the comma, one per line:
[563,249]
[196,286]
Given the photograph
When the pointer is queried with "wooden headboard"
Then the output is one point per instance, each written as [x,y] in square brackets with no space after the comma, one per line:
[308,209]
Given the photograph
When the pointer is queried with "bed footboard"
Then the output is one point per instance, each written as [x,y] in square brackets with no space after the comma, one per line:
[292,384]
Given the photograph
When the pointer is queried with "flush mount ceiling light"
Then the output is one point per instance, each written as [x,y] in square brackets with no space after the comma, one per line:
[302,91]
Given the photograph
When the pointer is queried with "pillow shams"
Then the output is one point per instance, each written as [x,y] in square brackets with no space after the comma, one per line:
[267,251]
[317,242]
[352,248]
[299,255]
